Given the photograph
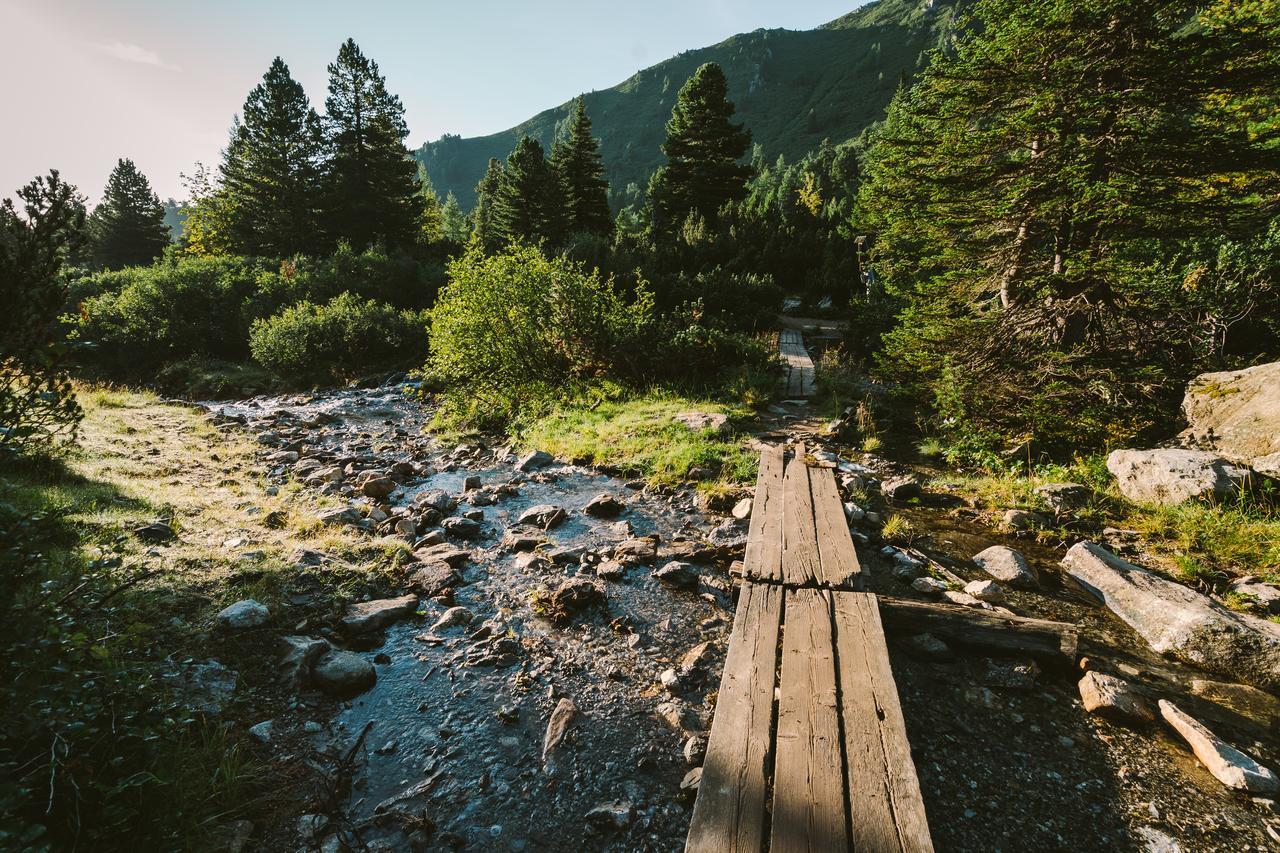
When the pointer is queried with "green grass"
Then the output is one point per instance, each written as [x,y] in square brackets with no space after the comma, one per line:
[640,435]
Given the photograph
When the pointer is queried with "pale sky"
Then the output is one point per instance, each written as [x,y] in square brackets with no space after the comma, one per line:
[90,81]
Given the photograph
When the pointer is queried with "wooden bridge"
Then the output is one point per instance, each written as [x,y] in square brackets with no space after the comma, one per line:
[808,748]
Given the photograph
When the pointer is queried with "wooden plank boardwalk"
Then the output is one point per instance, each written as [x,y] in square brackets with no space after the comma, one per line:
[808,748]
[798,376]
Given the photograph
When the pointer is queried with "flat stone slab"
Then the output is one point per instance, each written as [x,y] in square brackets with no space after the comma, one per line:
[1228,765]
[375,615]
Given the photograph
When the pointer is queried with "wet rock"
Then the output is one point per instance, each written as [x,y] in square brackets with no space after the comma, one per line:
[1179,621]
[636,550]
[1228,765]
[406,527]
[1008,566]
[695,750]
[534,460]
[562,718]
[604,505]
[699,421]
[262,731]
[375,615]
[929,585]
[453,616]
[443,553]
[519,540]
[545,516]
[339,516]
[730,531]
[1062,497]
[742,509]
[571,597]
[343,673]
[680,717]
[244,614]
[1114,698]
[470,483]
[611,815]
[1170,476]
[611,570]
[299,658]
[901,488]
[678,574]
[155,533]
[567,555]
[377,487]
[988,591]
[532,561]
[463,528]
[436,499]
[1021,519]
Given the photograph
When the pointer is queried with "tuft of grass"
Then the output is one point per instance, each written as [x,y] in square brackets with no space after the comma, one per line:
[872,444]
[930,447]
[898,528]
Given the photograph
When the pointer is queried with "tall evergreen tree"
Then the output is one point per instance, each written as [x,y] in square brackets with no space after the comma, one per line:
[483,227]
[432,228]
[580,171]
[527,199]
[703,151]
[371,182]
[452,222]
[127,228]
[271,169]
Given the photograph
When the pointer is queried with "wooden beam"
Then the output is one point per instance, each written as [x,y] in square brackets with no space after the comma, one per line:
[801,564]
[763,557]
[809,805]
[1055,642]
[838,559]
[729,812]
[884,792]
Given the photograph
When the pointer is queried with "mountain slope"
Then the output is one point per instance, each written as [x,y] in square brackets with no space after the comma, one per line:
[792,89]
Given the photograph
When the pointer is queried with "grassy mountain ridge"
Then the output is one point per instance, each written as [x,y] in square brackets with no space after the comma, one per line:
[792,89]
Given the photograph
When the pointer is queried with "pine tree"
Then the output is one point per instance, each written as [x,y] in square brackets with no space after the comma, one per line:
[575,159]
[525,205]
[271,169]
[703,151]
[371,185]
[127,228]
[432,217]
[452,222]
[483,227]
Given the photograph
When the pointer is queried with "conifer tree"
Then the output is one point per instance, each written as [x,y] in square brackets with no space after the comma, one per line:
[127,228]
[271,169]
[483,228]
[432,221]
[527,199]
[703,151]
[371,186]
[452,222]
[575,159]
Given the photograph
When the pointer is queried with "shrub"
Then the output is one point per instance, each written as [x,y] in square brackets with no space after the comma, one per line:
[341,338]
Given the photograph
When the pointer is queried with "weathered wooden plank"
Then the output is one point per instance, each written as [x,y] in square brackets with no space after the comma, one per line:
[763,557]
[836,555]
[1052,642]
[884,792]
[730,810]
[808,790]
[800,562]
[799,379]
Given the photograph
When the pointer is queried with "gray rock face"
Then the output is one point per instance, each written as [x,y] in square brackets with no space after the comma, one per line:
[375,615]
[453,616]
[604,506]
[534,460]
[1236,412]
[437,499]
[339,516]
[636,550]
[676,573]
[1064,496]
[463,528]
[1114,698]
[432,579]
[1007,566]
[1021,519]
[1169,476]
[1228,765]
[545,516]
[300,656]
[377,487]
[1178,621]
[343,673]
[699,421]
[244,614]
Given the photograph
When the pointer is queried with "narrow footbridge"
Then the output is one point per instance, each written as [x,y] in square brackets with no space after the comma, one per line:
[808,749]
[798,374]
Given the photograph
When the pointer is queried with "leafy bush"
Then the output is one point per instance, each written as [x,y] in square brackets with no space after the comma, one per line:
[341,338]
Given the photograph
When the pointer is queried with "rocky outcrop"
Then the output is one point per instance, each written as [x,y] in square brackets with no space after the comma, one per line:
[1178,621]
[1236,413]
[1169,476]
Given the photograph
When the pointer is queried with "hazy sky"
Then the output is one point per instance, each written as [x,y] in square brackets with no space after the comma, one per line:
[89,81]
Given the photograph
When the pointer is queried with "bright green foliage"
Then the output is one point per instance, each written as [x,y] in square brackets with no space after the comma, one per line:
[453,224]
[371,187]
[575,159]
[271,169]
[127,227]
[1028,196]
[703,151]
[432,216]
[526,206]
[38,410]
[206,227]
[342,338]
[484,227]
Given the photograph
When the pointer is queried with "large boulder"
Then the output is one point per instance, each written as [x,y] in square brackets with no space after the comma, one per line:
[368,616]
[1170,476]
[1179,621]
[343,673]
[1007,565]
[1236,412]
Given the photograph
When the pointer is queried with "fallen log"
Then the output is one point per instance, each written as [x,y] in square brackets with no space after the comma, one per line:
[1045,640]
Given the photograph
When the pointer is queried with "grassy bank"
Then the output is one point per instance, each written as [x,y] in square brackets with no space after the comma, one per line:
[107,748]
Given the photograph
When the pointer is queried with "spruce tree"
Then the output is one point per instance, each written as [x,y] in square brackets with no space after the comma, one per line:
[525,206]
[271,169]
[575,159]
[452,222]
[371,181]
[483,227]
[703,151]
[127,228]
[432,228]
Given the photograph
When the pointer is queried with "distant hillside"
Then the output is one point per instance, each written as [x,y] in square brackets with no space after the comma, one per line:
[792,89]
